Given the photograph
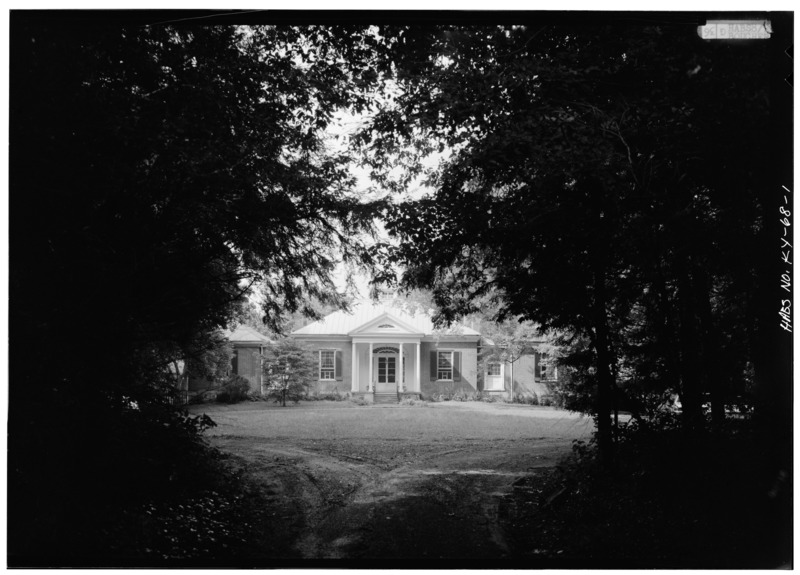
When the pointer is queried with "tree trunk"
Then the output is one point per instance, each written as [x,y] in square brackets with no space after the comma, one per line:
[598,248]
[713,370]
[605,377]
[605,385]
[691,396]
[666,330]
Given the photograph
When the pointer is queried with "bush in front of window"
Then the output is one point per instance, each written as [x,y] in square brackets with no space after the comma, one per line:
[234,390]
[410,401]
[526,399]
[330,396]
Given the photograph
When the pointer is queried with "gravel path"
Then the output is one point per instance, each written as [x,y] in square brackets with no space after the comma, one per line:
[404,482]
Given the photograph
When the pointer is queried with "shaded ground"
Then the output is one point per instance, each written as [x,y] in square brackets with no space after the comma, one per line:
[406,482]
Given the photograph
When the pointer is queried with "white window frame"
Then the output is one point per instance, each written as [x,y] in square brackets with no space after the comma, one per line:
[389,362]
[440,371]
[499,369]
[499,384]
[545,364]
[325,370]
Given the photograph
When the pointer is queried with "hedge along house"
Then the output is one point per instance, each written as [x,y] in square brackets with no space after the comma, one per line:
[382,353]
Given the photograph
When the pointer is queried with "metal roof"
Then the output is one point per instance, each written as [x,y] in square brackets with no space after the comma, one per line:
[342,323]
[245,333]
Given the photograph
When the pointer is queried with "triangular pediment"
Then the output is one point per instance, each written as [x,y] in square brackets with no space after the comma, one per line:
[385,324]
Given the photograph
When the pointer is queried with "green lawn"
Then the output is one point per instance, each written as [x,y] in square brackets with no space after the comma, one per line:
[440,421]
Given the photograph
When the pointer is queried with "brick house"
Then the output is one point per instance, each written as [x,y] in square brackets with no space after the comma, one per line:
[380,352]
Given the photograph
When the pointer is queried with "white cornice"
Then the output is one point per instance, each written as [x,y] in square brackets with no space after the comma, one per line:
[371,326]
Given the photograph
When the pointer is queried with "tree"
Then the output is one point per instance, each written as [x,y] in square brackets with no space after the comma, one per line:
[581,191]
[213,361]
[159,172]
[290,369]
[172,169]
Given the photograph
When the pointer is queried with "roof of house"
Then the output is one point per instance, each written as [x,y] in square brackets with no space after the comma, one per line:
[343,323]
[246,334]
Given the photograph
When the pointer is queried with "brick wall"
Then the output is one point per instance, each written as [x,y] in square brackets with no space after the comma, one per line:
[341,384]
[468,383]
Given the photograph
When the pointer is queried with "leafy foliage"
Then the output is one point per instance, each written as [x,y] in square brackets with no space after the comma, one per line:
[290,369]
[582,192]
[160,172]
[213,360]
[234,390]
[670,503]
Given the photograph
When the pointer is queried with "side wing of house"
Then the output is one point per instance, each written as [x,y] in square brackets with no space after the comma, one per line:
[533,374]
[246,362]
[248,348]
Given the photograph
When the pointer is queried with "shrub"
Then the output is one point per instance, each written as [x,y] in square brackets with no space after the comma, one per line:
[359,400]
[526,399]
[330,396]
[197,399]
[413,402]
[234,390]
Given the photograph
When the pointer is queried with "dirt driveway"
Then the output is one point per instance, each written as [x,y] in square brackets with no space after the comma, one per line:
[407,482]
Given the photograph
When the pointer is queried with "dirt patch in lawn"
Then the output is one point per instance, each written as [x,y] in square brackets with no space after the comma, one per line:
[404,483]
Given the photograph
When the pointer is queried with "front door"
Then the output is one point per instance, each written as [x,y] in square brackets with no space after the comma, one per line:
[385,375]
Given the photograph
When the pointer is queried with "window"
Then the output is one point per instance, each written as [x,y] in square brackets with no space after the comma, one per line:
[386,370]
[546,371]
[327,367]
[386,326]
[493,369]
[445,365]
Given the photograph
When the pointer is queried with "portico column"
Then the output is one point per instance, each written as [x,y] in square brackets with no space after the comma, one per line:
[354,370]
[370,386]
[419,381]
[402,369]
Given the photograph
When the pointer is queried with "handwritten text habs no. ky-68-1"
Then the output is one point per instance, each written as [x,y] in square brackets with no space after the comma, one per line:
[786,256]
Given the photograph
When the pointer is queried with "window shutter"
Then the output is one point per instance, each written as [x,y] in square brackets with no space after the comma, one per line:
[337,360]
[456,366]
[245,363]
[434,366]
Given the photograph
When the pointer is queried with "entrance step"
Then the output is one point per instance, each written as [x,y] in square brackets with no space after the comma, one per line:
[386,398]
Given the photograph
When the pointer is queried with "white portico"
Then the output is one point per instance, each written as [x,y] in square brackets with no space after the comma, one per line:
[387,356]
[381,351]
